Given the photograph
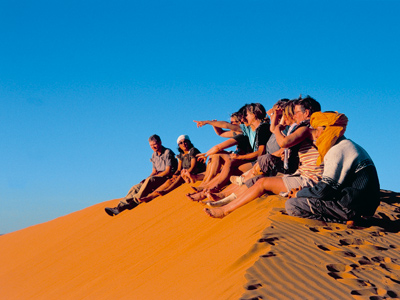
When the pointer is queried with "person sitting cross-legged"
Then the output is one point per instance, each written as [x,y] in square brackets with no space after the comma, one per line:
[349,188]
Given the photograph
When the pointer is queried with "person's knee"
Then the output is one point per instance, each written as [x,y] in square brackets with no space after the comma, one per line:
[151,179]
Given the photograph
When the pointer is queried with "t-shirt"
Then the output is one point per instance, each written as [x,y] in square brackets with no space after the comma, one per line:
[272,144]
[243,145]
[258,137]
[187,161]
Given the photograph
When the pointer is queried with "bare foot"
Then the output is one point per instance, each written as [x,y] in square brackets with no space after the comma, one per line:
[196,196]
[197,189]
[189,178]
[214,196]
[216,212]
[215,189]
[185,176]
[189,196]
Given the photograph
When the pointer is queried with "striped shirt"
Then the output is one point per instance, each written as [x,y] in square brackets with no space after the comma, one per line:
[308,155]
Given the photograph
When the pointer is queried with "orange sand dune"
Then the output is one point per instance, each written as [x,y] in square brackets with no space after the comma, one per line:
[170,249]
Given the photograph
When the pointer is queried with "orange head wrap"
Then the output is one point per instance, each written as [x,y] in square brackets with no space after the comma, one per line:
[335,126]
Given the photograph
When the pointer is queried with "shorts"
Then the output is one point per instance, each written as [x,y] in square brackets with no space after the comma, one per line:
[270,165]
[297,181]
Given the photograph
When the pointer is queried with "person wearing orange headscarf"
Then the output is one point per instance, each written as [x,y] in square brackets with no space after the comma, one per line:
[349,188]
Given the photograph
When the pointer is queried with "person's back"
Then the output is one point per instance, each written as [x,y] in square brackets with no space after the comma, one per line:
[358,179]
[349,188]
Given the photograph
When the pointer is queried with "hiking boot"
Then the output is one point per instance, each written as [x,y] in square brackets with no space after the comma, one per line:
[238,180]
[116,210]
[112,211]
[121,207]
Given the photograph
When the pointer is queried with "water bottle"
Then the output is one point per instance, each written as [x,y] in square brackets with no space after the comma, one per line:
[286,159]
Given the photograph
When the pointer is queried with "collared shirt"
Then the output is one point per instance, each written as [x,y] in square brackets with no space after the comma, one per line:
[164,160]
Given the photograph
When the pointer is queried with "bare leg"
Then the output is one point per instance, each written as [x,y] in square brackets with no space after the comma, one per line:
[186,176]
[219,179]
[266,184]
[253,172]
[216,165]
[178,181]
[155,194]
[213,168]
[191,178]
[209,168]
[232,188]
[223,178]
[214,196]
[245,167]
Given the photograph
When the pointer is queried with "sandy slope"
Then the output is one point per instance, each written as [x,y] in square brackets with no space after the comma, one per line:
[170,249]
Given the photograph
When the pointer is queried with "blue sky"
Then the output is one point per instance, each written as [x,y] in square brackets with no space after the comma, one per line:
[83,84]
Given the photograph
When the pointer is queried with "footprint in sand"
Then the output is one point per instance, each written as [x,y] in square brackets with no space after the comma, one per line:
[341,267]
[375,293]
[365,261]
[254,298]
[348,274]
[330,231]
[341,271]
[269,254]
[344,274]
[337,251]
[390,267]
[382,259]
[378,233]
[252,287]
[269,240]
[359,243]
[320,228]
[392,279]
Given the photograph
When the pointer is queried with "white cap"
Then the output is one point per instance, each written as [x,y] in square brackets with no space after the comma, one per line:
[182,137]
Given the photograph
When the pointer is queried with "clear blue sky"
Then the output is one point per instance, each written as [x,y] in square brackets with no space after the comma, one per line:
[83,84]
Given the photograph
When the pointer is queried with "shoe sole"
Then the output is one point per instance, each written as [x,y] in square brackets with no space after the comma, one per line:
[110,212]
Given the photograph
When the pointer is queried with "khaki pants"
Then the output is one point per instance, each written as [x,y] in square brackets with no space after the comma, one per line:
[143,188]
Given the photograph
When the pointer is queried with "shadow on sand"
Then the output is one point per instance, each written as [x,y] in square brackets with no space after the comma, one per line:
[391,222]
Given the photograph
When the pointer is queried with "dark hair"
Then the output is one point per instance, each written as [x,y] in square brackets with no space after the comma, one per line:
[155,138]
[308,103]
[282,103]
[242,112]
[257,109]
[237,116]
[190,145]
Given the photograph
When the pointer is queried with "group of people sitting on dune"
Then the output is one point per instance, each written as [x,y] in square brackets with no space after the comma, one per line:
[297,152]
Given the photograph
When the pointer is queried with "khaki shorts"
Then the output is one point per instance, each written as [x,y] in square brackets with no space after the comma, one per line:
[297,181]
